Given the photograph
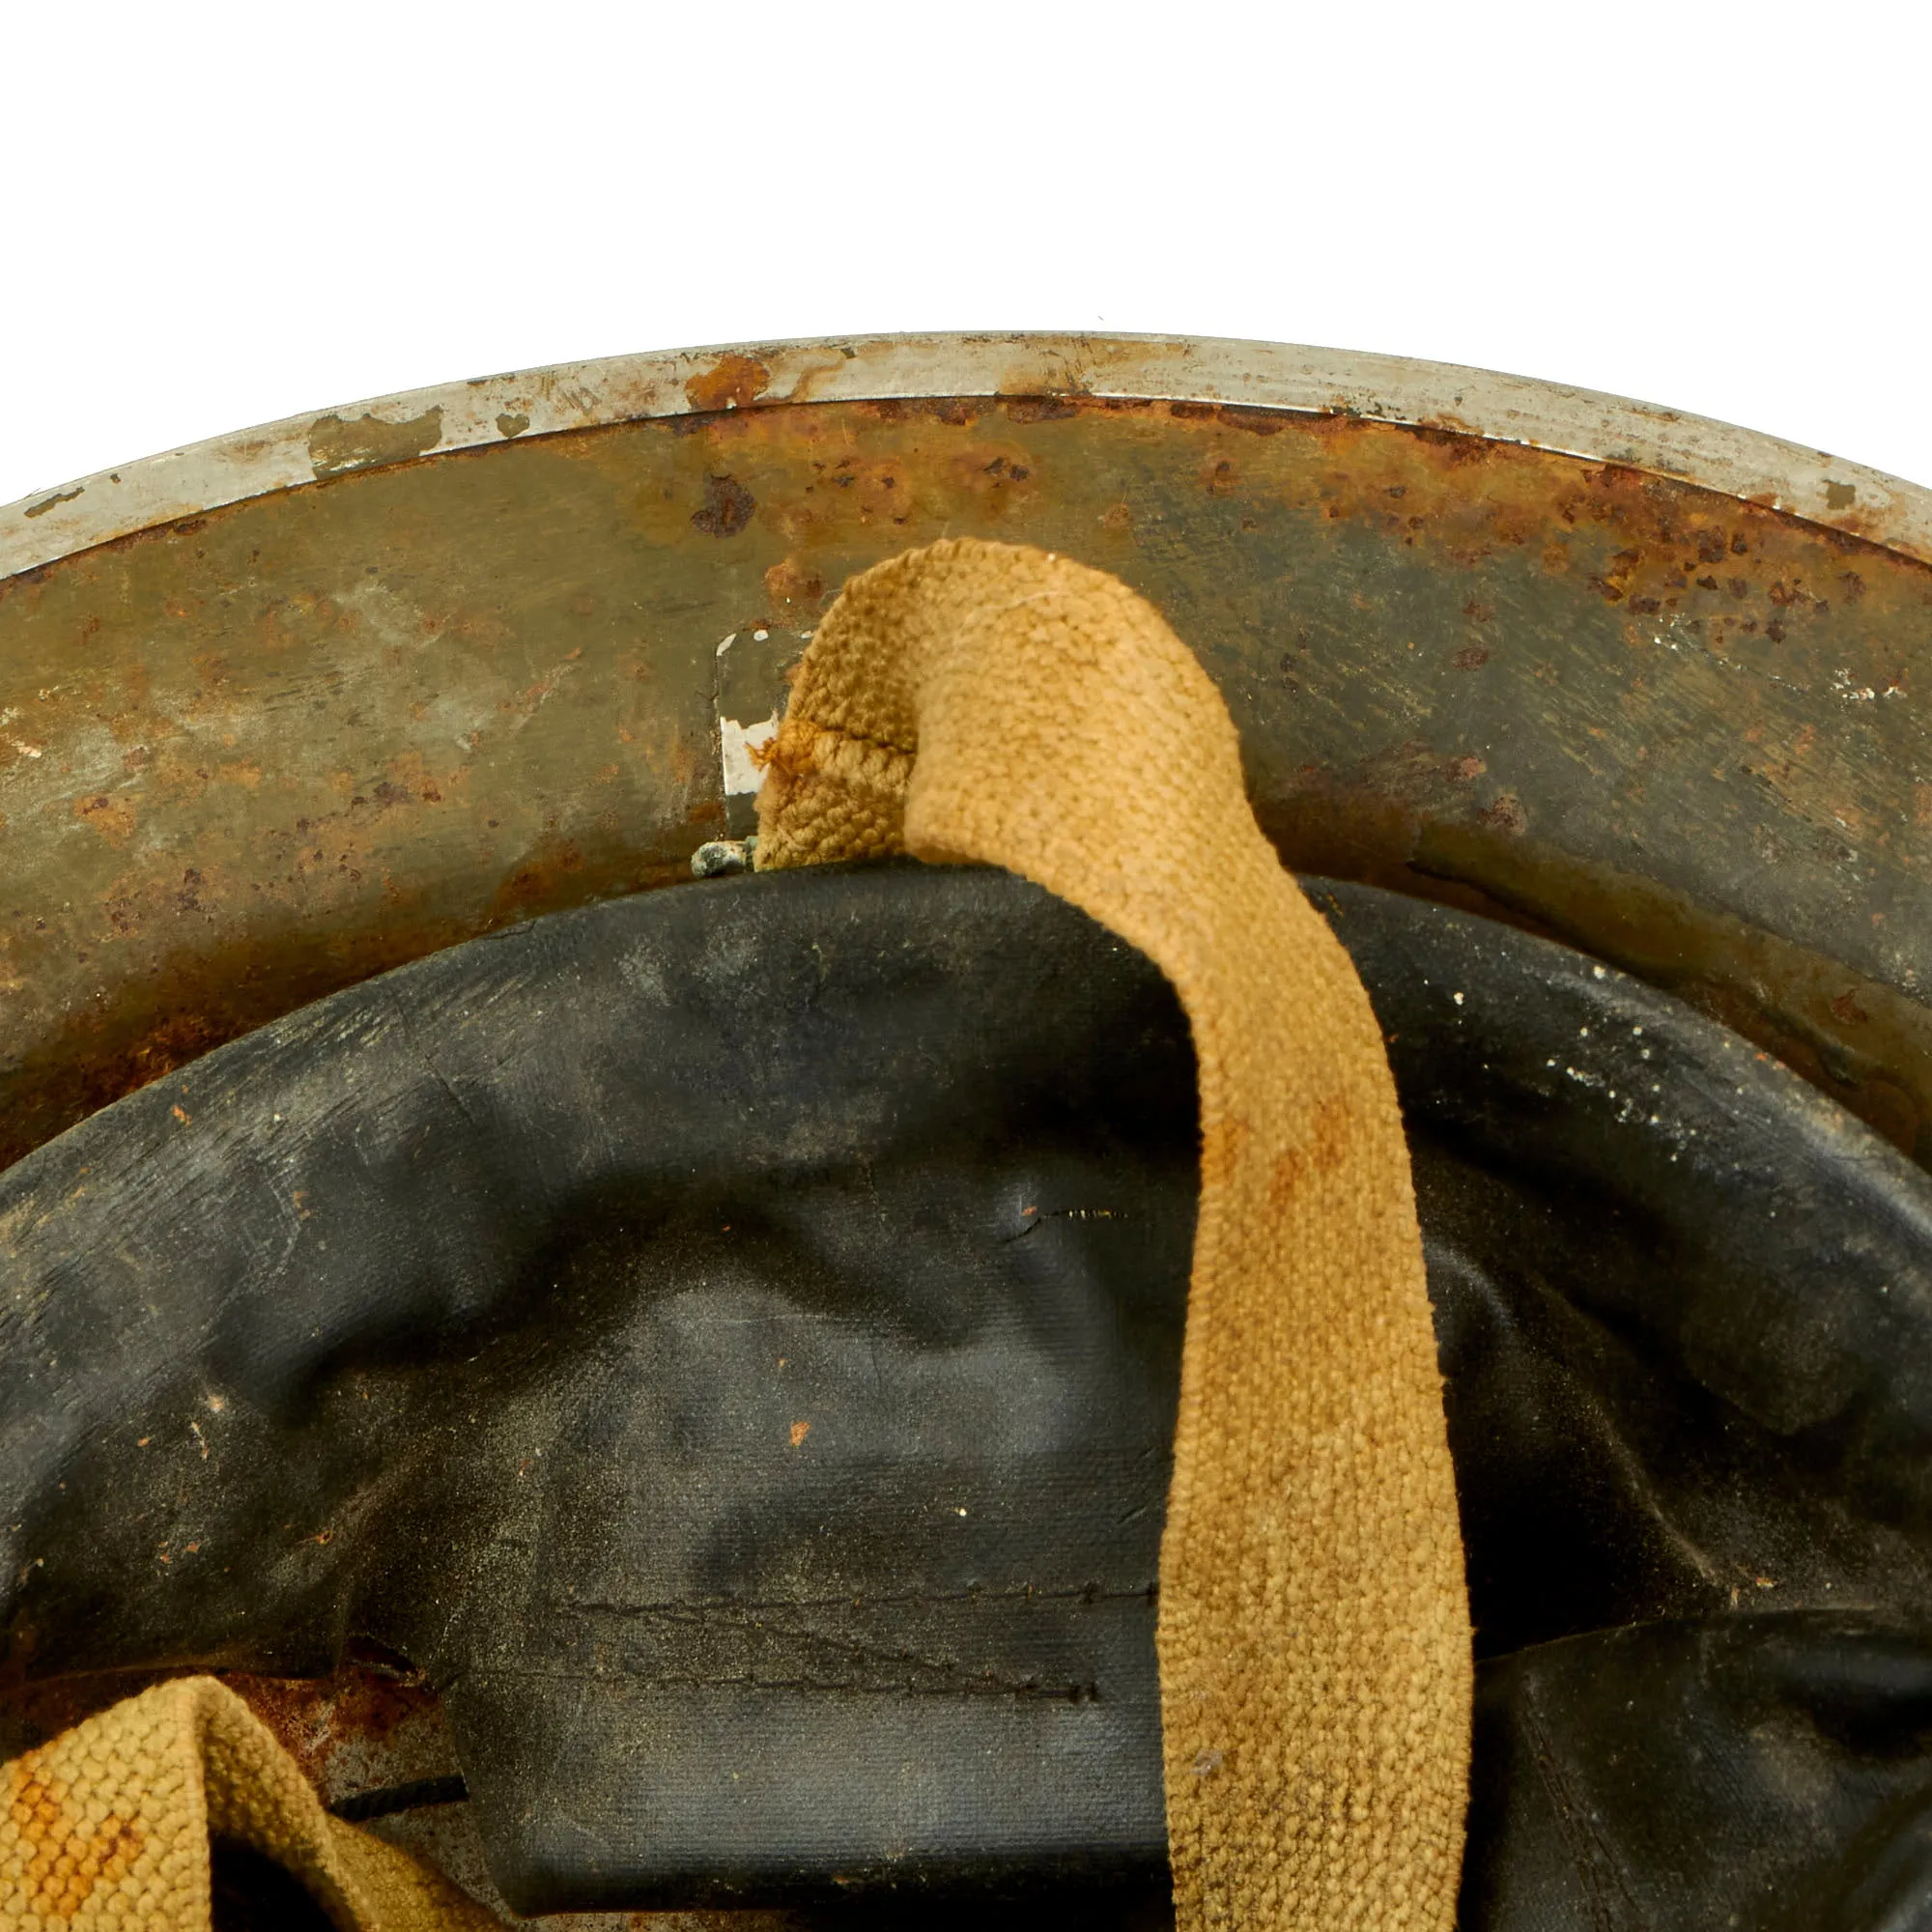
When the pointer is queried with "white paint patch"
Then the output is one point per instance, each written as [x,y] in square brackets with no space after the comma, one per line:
[737,743]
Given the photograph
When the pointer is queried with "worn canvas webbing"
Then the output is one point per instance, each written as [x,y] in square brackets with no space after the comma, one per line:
[974,701]
[979,701]
[110,1825]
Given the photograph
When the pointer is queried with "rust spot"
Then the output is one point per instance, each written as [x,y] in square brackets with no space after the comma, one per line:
[1040,409]
[731,382]
[1612,584]
[794,587]
[66,1860]
[1471,657]
[1118,518]
[111,816]
[1846,1007]
[1321,1150]
[1256,422]
[726,509]
[541,880]
[317,1719]
[988,479]
[799,1432]
[336,443]
[1505,813]
[1222,1147]
[1478,612]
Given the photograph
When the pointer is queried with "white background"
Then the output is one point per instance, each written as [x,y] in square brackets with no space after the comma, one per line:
[219,214]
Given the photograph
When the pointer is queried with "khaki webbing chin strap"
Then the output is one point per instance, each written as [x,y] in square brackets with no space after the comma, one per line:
[976,701]
[110,1825]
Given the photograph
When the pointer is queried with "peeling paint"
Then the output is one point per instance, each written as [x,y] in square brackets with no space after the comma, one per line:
[336,445]
[749,683]
[744,774]
[731,382]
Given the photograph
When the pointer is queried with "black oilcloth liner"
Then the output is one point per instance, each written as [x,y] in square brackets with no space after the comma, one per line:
[728,1339]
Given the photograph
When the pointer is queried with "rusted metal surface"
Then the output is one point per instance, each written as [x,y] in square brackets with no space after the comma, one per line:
[258,753]
[1827,489]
